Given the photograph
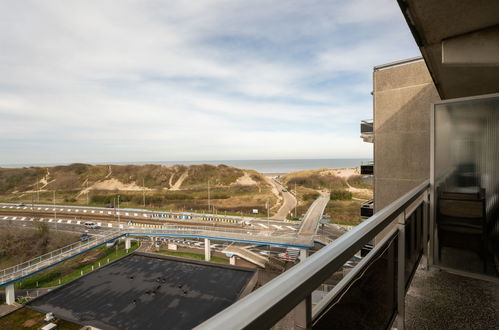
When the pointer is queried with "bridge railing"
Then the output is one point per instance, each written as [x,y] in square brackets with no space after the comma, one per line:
[370,294]
[46,259]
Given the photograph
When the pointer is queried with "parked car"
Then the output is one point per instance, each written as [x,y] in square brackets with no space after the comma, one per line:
[91,225]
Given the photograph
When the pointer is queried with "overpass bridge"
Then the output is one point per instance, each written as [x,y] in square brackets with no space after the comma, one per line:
[301,240]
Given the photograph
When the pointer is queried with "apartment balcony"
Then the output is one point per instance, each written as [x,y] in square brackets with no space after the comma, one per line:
[367,168]
[367,130]
[367,208]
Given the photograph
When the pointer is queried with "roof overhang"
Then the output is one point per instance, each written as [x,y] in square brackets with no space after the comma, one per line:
[459,41]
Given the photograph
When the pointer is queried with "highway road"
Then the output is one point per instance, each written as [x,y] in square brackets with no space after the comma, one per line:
[311,219]
[109,216]
[289,202]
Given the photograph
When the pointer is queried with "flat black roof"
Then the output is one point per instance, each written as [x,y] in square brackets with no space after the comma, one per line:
[147,292]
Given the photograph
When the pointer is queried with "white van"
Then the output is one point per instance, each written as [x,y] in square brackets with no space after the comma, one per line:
[92,225]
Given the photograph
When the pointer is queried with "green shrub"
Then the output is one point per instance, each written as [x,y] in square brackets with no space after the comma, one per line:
[341,195]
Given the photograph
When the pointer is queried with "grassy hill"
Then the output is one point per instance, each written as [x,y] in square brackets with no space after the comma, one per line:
[347,188]
[175,187]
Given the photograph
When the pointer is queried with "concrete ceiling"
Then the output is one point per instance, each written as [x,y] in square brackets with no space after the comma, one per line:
[432,21]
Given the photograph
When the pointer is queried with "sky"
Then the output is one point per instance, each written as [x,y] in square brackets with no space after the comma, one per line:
[133,81]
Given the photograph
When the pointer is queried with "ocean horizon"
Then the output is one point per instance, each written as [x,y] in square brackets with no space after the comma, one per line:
[260,165]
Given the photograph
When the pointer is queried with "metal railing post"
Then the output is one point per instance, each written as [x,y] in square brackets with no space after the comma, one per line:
[426,227]
[401,272]
[303,317]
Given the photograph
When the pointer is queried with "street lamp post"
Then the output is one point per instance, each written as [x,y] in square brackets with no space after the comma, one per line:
[55,211]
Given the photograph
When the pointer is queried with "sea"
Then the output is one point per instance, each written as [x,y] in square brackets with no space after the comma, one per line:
[274,166]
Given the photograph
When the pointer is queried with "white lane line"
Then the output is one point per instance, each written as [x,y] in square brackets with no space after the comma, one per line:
[109,212]
[126,213]
[110,225]
[23,218]
[99,224]
[5,206]
[14,218]
[69,210]
[11,207]
[292,228]
[61,209]
[145,215]
[24,208]
[5,218]
[121,226]
[18,207]
[53,209]
[41,219]
[77,210]
[78,222]
[59,221]
[277,227]
[262,225]
[84,211]
[69,221]
[31,219]
[93,211]
[46,209]
[50,220]
[39,208]
[101,212]
[135,214]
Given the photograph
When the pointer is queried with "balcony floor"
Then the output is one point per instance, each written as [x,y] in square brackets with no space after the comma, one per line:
[440,300]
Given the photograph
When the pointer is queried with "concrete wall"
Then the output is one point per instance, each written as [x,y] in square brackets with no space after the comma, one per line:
[402,98]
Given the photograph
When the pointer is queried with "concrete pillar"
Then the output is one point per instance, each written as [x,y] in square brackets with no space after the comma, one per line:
[207,250]
[10,297]
[303,254]
[128,243]
[232,260]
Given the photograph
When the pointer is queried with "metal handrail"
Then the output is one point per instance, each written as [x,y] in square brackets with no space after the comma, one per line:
[270,303]
[34,264]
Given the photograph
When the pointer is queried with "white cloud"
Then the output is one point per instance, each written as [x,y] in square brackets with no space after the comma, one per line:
[190,79]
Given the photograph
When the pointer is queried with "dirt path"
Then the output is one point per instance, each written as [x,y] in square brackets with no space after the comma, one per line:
[180,180]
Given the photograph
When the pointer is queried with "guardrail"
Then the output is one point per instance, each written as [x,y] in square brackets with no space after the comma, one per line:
[376,286]
[48,259]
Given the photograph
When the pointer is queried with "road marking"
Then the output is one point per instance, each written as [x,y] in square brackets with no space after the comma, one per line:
[14,218]
[78,222]
[84,211]
[23,218]
[53,209]
[18,207]
[135,215]
[31,219]
[3,207]
[110,225]
[277,227]
[46,209]
[126,213]
[5,218]
[77,210]
[59,221]
[262,225]
[93,211]
[145,215]
[11,207]
[24,208]
[121,226]
[61,209]
[69,210]
[109,212]
[99,224]
[292,228]
[101,212]
[50,220]
[40,220]
[39,208]
[69,221]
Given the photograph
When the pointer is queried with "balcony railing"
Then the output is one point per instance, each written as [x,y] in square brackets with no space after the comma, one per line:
[367,168]
[367,208]
[367,130]
[370,296]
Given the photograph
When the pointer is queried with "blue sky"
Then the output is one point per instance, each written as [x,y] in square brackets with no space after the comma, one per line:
[127,81]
